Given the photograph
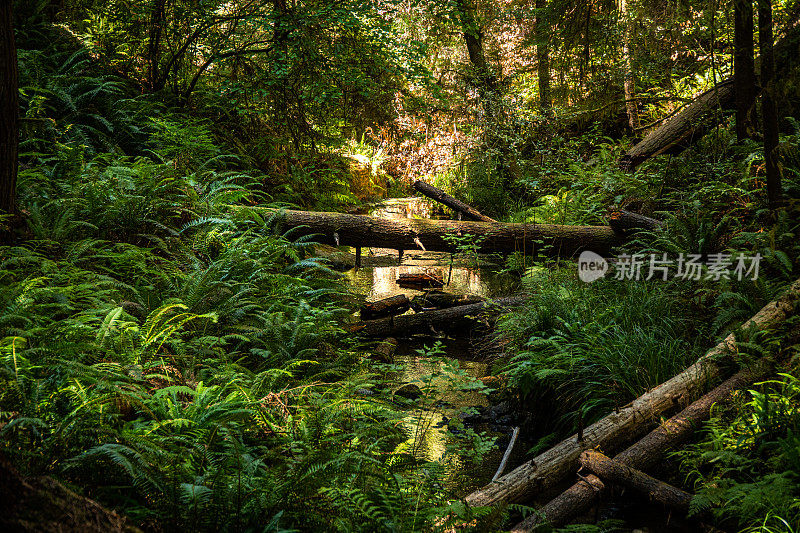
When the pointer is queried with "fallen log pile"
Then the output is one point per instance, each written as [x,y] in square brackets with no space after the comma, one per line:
[642,455]
[632,421]
[394,305]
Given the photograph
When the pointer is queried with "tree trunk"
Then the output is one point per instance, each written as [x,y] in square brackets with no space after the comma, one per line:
[155,31]
[682,128]
[614,470]
[688,124]
[453,317]
[393,305]
[551,467]
[642,455]
[442,300]
[628,223]
[443,198]
[744,73]
[629,82]
[543,56]
[769,110]
[9,111]
[409,234]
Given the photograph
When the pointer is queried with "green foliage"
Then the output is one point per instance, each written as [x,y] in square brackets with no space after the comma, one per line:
[590,348]
[746,466]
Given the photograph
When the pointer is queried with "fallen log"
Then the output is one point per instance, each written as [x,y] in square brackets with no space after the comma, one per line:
[642,455]
[631,421]
[456,205]
[454,317]
[688,124]
[409,234]
[656,490]
[442,300]
[420,281]
[394,305]
[627,223]
[506,455]
[680,128]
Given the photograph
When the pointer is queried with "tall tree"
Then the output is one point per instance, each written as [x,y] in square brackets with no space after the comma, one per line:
[542,55]
[769,110]
[9,110]
[743,67]
[627,60]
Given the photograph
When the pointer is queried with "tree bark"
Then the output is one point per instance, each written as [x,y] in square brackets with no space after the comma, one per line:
[633,420]
[682,128]
[408,234]
[744,73]
[456,205]
[393,305]
[9,111]
[442,300]
[688,124]
[453,317]
[769,110]
[642,455]
[155,31]
[614,470]
[628,223]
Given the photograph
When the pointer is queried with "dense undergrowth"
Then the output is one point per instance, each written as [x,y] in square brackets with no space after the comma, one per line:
[159,328]
[158,325]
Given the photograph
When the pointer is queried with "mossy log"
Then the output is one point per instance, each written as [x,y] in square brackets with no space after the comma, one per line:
[407,234]
[631,421]
[456,205]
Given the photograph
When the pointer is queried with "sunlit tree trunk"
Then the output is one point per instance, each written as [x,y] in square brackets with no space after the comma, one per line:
[9,110]
[743,67]
[485,79]
[543,55]
[629,82]
[768,108]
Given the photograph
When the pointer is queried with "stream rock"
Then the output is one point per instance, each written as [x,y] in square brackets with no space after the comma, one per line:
[410,391]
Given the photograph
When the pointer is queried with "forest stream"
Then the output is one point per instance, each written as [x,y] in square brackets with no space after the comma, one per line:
[462,360]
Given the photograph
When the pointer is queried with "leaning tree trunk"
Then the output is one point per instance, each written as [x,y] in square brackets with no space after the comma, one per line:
[437,235]
[9,111]
[688,124]
[456,205]
[769,110]
[744,73]
[551,467]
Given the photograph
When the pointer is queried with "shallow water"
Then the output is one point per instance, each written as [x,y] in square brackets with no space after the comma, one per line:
[427,427]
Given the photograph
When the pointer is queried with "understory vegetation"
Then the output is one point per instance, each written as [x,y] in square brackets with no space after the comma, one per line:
[170,348]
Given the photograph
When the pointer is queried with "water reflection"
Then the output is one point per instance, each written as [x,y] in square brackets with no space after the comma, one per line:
[381,282]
